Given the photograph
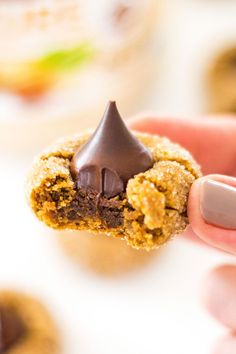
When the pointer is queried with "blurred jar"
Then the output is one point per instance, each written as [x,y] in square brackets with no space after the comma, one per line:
[61,60]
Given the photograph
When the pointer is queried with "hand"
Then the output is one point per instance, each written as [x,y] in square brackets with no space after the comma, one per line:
[212,201]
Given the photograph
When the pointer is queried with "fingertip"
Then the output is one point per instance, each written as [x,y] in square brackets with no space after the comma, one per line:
[220,237]
[226,345]
[220,294]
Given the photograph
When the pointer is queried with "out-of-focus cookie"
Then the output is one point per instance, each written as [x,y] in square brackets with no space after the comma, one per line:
[221,83]
[26,326]
[106,256]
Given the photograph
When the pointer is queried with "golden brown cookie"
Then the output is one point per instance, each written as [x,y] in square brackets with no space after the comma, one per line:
[221,82]
[26,326]
[148,210]
[106,256]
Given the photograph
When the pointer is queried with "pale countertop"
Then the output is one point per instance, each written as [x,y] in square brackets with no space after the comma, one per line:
[157,309]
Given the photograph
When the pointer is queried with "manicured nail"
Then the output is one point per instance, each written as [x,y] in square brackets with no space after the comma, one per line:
[218,204]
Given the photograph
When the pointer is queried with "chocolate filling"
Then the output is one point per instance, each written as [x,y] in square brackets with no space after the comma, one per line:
[89,204]
[11,328]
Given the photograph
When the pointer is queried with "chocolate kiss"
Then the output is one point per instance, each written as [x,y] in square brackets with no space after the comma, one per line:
[11,328]
[110,158]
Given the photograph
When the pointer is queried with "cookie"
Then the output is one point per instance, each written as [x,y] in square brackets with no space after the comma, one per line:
[102,255]
[26,326]
[221,83]
[124,184]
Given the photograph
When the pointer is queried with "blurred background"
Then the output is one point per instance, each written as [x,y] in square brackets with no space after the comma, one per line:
[60,62]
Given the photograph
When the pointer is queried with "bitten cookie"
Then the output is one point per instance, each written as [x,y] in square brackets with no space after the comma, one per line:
[221,83]
[128,185]
[26,326]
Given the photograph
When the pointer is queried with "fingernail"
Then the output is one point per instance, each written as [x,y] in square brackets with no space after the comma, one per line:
[218,204]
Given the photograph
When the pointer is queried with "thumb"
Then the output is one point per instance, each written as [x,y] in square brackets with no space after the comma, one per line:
[212,211]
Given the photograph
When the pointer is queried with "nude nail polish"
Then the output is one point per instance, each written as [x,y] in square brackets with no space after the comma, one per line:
[218,204]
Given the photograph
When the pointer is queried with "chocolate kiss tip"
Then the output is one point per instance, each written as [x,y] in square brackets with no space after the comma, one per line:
[11,329]
[111,156]
[111,112]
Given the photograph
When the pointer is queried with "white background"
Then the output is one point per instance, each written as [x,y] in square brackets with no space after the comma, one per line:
[158,309]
